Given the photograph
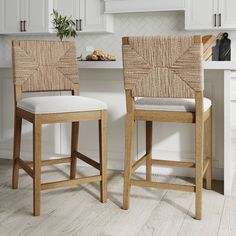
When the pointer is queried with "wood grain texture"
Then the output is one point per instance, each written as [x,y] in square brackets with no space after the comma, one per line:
[16,150]
[173,163]
[208,149]
[74,148]
[139,163]
[149,150]
[103,155]
[165,116]
[37,136]
[199,136]
[129,148]
[69,183]
[88,160]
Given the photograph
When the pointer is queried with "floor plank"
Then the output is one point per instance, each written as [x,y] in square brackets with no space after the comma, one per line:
[228,220]
[175,206]
[78,211]
[213,204]
[143,202]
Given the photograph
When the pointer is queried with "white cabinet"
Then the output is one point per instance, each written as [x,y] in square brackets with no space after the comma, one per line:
[34,16]
[128,6]
[93,17]
[88,14]
[210,14]
[200,14]
[37,15]
[25,16]
[227,13]
[10,15]
[67,8]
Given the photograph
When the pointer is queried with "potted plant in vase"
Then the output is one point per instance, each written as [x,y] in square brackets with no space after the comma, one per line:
[64,26]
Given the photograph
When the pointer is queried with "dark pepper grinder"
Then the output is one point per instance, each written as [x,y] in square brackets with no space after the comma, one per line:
[225,48]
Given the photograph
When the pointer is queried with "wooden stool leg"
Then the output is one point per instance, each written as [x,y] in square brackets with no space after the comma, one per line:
[103,155]
[149,150]
[199,131]
[74,147]
[37,166]
[208,150]
[129,148]
[16,151]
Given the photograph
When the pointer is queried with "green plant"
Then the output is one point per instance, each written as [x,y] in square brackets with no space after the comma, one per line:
[64,26]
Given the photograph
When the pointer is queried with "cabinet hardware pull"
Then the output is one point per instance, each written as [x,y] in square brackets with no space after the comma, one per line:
[214,20]
[21,28]
[77,25]
[80,25]
[24,25]
[220,20]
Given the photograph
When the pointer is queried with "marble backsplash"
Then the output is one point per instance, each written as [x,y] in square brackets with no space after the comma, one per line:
[160,23]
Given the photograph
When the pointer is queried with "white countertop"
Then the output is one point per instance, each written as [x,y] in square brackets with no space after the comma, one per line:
[220,65]
[100,65]
[208,65]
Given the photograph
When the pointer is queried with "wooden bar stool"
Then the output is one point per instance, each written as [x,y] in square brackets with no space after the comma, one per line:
[41,66]
[164,82]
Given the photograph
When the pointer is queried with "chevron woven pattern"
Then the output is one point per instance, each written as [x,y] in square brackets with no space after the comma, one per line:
[169,67]
[44,65]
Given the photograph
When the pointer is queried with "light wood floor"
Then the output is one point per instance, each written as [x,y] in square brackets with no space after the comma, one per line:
[77,210]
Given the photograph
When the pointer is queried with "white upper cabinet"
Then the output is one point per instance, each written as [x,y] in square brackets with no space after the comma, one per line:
[210,14]
[25,16]
[34,16]
[128,6]
[93,18]
[227,11]
[200,14]
[67,8]
[37,15]
[10,15]
[88,14]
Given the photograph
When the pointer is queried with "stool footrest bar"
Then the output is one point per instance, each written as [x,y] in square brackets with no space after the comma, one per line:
[67,183]
[206,163]
[173,163]
[88,160]
[26,167]
[179,187]
[54,161]
[138,163]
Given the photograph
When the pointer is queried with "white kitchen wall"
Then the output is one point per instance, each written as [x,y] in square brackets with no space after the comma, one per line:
[160,23]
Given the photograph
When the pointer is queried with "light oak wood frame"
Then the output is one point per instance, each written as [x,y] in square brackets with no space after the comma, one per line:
[202,121]
[33,169]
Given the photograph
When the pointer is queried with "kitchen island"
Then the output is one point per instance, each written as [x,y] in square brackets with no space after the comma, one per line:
[104,81]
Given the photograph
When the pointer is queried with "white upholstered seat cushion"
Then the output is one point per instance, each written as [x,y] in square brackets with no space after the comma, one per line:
[60,104]
[170,104]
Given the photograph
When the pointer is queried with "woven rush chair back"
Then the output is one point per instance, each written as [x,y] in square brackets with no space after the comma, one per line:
[40,66]
[165,67]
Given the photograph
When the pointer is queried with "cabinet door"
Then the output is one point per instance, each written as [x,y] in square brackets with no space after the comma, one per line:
[36,15]
[10,15]
[227,13]
[67,8]
[93,17]
[201,14]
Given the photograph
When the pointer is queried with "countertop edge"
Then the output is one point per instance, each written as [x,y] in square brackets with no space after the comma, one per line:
[208,65]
